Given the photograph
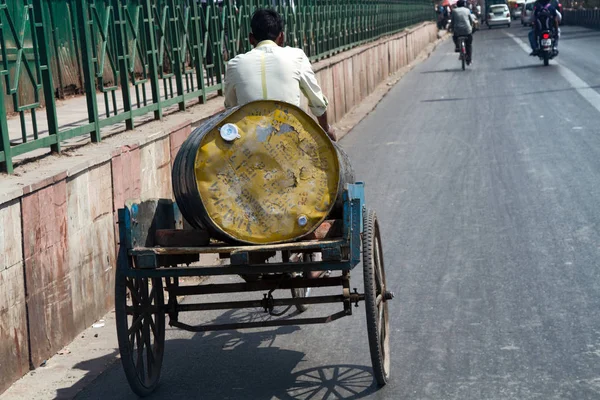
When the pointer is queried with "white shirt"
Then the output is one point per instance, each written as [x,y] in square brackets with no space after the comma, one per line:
[271,72]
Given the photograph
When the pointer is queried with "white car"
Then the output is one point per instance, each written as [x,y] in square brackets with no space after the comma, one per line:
[527,15]
[498,14]
[517,9]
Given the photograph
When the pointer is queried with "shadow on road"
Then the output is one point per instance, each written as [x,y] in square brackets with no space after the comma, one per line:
[534,93]
[443,71]
[238,365]
[529,66]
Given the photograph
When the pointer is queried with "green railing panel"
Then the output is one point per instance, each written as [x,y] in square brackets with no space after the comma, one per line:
[136,57]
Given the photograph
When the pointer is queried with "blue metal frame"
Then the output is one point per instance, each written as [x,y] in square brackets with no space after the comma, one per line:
[138,257]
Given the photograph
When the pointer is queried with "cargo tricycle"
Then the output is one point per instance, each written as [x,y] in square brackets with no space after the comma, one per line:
[263,189]
[156,253]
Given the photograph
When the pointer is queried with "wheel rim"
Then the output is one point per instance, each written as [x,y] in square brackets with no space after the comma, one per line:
[145,330]
[383,323]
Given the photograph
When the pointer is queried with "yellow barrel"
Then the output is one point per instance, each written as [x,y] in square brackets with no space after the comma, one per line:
[261,173]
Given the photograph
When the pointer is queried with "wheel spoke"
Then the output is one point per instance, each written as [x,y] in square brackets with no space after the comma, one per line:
[378,268]
[151,297]
[149,349]
[132,341]
[153,326]
[140,356]
[381,326]
[136,325]
[133,291]
[144,292]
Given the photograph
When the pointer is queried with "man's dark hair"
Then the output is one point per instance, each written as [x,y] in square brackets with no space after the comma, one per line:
[460,3]
[266,24]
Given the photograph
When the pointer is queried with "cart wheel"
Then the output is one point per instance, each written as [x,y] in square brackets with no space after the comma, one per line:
[375,298]
[140,320]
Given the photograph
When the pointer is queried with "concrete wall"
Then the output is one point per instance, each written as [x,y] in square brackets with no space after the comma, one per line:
[58,231]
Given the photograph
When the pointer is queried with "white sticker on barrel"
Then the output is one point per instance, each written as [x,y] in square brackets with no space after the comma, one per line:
[229,132]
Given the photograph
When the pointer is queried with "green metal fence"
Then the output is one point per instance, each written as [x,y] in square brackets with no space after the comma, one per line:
[133,58]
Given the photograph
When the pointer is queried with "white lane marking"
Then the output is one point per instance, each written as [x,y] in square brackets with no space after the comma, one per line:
[576,82]
[521,43]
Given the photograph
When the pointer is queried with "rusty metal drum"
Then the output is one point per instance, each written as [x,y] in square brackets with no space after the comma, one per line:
[261,173]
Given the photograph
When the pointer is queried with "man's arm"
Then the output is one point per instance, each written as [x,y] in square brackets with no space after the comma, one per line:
[326,127]
[317,102]
[229,88]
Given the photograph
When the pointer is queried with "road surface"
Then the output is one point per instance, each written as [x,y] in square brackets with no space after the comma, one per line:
[487,185]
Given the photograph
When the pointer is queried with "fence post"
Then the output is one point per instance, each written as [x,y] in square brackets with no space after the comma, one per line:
[217,36]
[197,49]
[7,164]
[123,57]
[88,67]
[40,41]
[177,46]
[153,64]
[59,73]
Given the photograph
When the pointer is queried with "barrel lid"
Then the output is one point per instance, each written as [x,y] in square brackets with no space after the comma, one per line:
[229,132]
[275,181]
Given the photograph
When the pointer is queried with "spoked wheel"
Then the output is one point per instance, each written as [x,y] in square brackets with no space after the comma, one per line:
[376,297]
[140,320]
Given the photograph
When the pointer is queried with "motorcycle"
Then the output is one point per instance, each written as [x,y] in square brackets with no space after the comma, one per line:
[547,50]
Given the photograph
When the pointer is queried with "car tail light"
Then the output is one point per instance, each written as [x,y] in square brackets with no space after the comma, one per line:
[545,35]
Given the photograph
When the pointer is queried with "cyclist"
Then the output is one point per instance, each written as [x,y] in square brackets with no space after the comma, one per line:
[462,25]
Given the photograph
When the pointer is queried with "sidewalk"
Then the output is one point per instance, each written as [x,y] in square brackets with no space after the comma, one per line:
[72,368]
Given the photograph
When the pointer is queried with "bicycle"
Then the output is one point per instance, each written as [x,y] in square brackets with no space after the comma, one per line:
[462,45]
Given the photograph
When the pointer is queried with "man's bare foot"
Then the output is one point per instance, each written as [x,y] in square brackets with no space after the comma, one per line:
[332,134]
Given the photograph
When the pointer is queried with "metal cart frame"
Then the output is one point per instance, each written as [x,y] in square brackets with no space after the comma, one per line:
[145,271]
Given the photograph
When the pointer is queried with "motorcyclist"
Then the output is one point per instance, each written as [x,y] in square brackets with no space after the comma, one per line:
[545,17]
[462,25]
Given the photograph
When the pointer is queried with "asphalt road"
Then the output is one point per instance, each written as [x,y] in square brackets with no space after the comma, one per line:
[487,186]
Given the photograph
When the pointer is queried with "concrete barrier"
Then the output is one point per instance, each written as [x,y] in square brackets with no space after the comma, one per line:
[58,229]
